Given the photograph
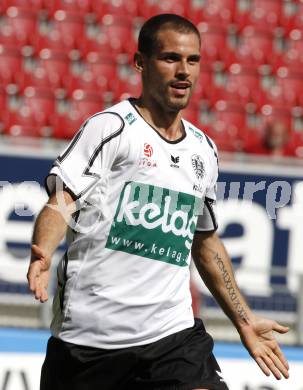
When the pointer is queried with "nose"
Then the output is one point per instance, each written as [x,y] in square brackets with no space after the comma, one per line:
[183,69]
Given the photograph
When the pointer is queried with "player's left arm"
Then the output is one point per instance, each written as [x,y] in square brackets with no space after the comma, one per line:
[215,269]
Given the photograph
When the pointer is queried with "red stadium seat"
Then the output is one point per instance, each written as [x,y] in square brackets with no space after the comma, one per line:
[11,62]
[205,91]
[67,125]
[213,42]
[267,14]
[69,27]
[291,83]
[296,142]
[82,105]
[100,44]
[3,108]
[255,47]
[296,20]
[33,117]
[229,125]
[86,80]
[180,7]
[271,113]
[53,41]
[192,114]
[27,4]
[223,141]
[117,8]
[3,100]
[128,87]
[146,9]
[295,40]
[81,7]
[86,103]
[104,68]
[38,77]
[30,130]
[275,97]
[118,30]
[20,24]
[243,85]
[42,104]
[215,11]
[293,55]
[56,64]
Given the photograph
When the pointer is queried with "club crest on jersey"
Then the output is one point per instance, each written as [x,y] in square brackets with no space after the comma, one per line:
[198,166]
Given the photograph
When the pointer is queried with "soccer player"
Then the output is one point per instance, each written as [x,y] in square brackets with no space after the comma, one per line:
[135,191]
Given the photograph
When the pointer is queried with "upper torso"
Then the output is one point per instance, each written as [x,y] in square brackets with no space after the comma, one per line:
[124,280]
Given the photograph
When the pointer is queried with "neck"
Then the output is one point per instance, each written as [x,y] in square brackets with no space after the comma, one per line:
[167,123]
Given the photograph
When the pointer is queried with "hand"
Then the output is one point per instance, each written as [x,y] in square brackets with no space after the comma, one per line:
[260,342]
[38,273]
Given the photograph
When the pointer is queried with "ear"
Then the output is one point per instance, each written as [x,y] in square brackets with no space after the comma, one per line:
[139,61]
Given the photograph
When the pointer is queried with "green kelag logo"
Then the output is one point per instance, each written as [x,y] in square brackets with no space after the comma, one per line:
[154,223]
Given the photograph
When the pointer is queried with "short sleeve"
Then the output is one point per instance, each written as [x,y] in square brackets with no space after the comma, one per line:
[88,157]
[207,219]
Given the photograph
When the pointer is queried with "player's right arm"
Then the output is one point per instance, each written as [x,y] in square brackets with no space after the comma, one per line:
[50,227]
[82,165]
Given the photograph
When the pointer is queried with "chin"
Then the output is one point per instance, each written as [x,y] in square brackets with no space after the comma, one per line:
[178,104]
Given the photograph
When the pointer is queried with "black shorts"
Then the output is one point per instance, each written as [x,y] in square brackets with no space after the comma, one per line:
[181,361]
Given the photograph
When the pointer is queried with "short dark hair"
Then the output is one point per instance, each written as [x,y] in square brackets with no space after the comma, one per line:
[147,41]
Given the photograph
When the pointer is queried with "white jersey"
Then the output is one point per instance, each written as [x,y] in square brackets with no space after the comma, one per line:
[124,280]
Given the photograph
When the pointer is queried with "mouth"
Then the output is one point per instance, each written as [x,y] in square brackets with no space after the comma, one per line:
[181,87]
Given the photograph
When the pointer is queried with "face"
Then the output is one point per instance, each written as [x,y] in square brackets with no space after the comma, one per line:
[170,74]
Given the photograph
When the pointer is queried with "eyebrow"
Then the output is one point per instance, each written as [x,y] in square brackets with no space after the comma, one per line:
[195,57]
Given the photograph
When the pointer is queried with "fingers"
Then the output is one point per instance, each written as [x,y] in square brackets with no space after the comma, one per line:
[38,281]
[281,356]
[263,366]
[279,364]
[32,275]
[280,328]
[275,366]
[38,286]
[272,364]
[41,293]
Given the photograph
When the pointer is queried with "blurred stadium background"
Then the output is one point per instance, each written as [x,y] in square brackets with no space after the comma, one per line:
[63,60]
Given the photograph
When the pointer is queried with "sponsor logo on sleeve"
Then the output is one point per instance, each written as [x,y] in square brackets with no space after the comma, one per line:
[130,118]
[197,133]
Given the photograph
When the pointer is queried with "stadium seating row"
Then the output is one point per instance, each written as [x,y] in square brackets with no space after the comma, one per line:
[253,45]
[266,13]
[62,60]
[55,70]
[38,113]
